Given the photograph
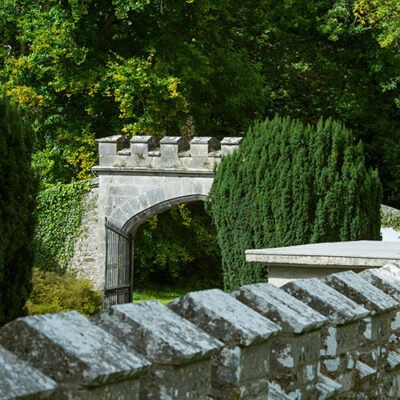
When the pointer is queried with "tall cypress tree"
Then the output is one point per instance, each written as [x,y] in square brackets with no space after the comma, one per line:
[291,184]
[18,185]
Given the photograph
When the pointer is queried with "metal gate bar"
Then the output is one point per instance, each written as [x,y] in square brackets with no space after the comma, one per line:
[118,283]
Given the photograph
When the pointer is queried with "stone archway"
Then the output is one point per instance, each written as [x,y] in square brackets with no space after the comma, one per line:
[138,219]
[138,180]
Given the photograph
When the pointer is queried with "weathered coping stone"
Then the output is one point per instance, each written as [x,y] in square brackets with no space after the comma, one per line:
[180,352]
[393,270]
[383,308]
[340,337]
[295,352]
[382,279]
[375,329]
[241,370]
[86,361]
[18,380]
[392,273]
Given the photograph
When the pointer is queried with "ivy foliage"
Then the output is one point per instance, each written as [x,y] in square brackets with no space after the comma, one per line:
[291,184]
[59,212]
[18,188]
[178,248]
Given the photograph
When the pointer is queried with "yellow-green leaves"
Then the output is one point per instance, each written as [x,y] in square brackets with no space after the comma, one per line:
[147,96]
[383,15]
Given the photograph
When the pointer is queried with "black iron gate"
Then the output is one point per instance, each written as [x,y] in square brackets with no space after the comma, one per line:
[118,283]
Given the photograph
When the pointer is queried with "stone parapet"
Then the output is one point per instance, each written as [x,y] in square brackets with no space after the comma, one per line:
[295,351]
[180,352]
[340,336]
[375,330]
[241,369]
[335,338]
[85,361]
[169,152]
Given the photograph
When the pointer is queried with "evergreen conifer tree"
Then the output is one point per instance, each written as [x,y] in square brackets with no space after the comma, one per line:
[18,185]
[291,184]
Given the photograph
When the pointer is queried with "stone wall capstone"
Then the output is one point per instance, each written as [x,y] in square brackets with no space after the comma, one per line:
[335,338]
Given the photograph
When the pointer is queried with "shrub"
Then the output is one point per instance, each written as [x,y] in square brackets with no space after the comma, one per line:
[291,184]
[55,293]
[18,186]
[59,213]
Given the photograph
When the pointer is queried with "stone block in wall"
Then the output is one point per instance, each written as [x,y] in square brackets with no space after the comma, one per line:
[340,336]
[170,147]
[180,352]
[19,380]
[86,361]
[142,145]
[109,147]
[202,146]
[230,144]
[241,370]
[275,392]
[375,329]
[295,351]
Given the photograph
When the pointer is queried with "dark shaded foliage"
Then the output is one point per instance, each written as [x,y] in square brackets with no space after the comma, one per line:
[18,186]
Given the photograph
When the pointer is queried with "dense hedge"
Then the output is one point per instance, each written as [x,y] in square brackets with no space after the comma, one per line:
[59,212]
[291,184]
[18,186]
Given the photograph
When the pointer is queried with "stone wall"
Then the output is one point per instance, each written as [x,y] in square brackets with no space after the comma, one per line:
[331,338]
[85,259]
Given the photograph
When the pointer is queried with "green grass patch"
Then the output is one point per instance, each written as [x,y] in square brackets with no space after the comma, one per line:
[164,296]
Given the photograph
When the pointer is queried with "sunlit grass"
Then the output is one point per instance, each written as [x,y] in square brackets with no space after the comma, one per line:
[164,296]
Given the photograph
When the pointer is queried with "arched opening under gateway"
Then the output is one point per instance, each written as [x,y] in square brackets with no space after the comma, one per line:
[175,249]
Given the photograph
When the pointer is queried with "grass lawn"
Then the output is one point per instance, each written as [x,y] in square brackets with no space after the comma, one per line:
[164,296]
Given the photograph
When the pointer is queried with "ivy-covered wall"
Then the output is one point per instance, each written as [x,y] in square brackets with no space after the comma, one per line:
[60,209]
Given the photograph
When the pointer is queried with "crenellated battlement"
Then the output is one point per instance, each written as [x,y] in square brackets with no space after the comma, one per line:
[201,152]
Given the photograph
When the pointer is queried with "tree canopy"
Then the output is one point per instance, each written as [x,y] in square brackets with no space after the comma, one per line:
[93,68]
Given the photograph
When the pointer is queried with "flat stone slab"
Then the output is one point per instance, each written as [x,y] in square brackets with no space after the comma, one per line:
[158,333]
[18,380]
[67,347]
[358,254]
